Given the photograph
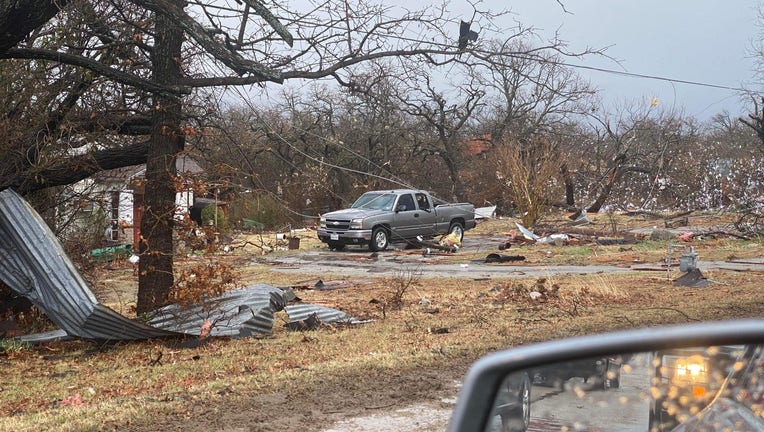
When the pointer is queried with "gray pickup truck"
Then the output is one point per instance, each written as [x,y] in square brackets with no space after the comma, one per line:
[378,218]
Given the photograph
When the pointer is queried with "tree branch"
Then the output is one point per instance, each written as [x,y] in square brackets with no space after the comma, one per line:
[230,58]
[93,65]
[19,18]
[76,168]
[330,71]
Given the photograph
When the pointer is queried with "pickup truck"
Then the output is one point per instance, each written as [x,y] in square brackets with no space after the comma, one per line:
[378,218]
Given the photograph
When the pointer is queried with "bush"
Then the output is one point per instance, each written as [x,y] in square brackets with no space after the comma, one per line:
[209,216]
[261,208]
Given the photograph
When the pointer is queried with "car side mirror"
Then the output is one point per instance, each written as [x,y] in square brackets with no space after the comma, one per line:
[673,378]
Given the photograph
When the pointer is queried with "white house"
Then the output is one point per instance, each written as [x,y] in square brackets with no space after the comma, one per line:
[119,194]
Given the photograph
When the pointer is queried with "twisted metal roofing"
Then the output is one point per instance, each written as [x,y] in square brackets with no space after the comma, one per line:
[34,264]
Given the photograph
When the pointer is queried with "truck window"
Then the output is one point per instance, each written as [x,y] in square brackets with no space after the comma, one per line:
[424,203]
[375,201]
[406,203]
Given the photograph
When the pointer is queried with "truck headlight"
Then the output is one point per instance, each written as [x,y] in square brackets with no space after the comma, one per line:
[322,222]
[356,224]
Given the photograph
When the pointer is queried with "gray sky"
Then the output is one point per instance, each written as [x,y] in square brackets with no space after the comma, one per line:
[704,41]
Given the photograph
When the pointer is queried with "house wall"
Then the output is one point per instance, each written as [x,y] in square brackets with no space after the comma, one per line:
[183,202]
[126,206]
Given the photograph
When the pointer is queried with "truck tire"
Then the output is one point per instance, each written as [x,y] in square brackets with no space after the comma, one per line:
[379,239]
[334,245]
[457,229]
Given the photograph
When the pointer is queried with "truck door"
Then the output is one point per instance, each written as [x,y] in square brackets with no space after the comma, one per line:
[405,220]
[425,216]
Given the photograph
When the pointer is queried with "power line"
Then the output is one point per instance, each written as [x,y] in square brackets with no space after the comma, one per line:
[659,78]
[633,74]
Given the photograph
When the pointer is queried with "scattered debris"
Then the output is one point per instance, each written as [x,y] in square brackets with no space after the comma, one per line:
[449,243]
[556,239]
[694,279]
[34,265]
[310,323]
[580,218]
[501,258]
[527,233]
[331,285]
[438,330]
[676,223]
[610,241]
[686,236]
[485,212]
[451,240]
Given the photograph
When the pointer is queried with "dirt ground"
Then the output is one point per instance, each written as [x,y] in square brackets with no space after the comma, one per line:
[401,371]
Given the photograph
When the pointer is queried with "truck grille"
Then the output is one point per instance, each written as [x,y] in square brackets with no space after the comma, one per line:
[337,224]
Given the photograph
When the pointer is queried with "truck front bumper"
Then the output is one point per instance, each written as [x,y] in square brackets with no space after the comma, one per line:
[344,236]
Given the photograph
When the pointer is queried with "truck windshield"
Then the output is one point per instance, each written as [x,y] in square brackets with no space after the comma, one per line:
[375,201]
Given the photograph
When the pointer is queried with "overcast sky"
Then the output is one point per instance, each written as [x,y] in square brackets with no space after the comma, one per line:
[705,41]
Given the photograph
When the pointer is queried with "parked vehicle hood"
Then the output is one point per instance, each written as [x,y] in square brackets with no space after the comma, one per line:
[353,213]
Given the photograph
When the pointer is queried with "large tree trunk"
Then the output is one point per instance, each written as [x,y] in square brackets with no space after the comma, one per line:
[155,272]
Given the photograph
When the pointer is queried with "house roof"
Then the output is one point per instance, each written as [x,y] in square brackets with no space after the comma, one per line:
[184,164]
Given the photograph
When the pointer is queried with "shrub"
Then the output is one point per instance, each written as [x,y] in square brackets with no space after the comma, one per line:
[262,208]
[212,214]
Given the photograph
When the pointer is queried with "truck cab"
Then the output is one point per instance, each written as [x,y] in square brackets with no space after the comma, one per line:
[377,218]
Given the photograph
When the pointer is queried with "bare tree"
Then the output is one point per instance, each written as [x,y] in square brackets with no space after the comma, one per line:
[635,155]
[182,46]
[528,170]
[531,92]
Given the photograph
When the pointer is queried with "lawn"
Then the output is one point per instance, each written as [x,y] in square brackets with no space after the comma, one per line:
[423,336]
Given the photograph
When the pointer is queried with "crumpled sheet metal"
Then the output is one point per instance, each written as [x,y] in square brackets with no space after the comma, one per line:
[238,313]
[34,264]
[301,311]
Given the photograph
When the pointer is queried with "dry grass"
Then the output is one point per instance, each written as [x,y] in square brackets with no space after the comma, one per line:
[436,329]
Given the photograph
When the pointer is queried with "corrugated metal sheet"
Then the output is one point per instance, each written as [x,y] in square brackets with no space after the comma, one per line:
[238,313]
[300,312]
[34,264]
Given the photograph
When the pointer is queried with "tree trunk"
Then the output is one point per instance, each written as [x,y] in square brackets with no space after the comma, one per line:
[570,197]
[604,193]
[155,271]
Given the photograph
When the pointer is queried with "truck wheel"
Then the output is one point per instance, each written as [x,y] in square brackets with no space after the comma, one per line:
[379,240]
[338,246]
[457,229]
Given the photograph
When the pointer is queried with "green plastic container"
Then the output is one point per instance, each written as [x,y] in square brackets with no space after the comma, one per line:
[111,253]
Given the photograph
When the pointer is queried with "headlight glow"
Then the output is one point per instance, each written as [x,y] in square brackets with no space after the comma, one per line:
[322,222]
[692,369]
